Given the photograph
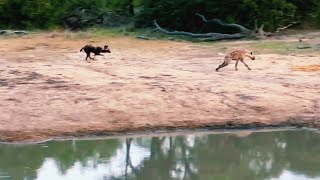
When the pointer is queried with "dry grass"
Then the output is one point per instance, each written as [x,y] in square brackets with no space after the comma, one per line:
[309,68]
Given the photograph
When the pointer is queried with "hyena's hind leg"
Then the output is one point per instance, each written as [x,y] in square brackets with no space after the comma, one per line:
[236,66]
[226,62]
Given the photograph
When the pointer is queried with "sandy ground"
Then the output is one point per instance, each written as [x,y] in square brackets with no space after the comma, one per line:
[47,90]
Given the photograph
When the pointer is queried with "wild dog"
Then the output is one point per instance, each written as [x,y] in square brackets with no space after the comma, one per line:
[95,50]
[237,55]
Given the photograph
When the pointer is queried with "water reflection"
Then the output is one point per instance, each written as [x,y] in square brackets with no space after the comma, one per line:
[267,155]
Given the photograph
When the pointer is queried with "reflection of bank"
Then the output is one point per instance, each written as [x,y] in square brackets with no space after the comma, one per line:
[4,175]
[95,167]
[288,175]
[252,155]
[243,133]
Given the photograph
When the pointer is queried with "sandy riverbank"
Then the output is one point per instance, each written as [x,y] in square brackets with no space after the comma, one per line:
[47,89]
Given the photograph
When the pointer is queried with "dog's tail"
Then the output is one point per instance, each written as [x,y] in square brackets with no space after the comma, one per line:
[81,49]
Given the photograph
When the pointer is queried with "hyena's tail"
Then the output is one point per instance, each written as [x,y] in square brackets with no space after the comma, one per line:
[221,54]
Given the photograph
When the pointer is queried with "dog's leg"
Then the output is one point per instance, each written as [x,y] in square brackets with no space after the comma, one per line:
[88,56]
[91,57]
[94,57]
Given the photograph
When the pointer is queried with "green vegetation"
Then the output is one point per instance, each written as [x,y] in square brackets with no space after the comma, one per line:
[173,14]
[266,46]
[282,47]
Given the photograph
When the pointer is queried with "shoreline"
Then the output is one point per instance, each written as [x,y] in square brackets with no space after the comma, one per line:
[38,137]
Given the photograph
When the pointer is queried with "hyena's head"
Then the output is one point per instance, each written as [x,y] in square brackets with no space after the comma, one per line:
[106,49]
[250,55]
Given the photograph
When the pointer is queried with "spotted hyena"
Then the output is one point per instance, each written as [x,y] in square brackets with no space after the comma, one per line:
[95,50]
[237,55]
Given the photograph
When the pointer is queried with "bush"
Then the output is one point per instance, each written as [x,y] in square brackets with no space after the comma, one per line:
[25,13]
[173,14]
[180,14]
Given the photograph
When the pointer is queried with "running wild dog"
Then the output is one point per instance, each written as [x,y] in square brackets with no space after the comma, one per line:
[95,50]
[237,55]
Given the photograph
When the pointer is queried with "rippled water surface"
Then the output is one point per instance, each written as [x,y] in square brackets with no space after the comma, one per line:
[289,155]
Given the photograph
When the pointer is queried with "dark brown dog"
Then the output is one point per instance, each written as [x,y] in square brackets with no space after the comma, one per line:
[95,50]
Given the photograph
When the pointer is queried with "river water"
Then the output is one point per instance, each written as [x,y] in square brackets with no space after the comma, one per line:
[285,154]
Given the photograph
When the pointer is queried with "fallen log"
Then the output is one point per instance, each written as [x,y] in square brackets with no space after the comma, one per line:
[12,32]
[241,31]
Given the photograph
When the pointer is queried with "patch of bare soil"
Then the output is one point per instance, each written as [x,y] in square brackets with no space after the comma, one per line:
[48,90]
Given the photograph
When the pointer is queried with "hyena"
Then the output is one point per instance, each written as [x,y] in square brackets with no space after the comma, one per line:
[237,55]
[95,50]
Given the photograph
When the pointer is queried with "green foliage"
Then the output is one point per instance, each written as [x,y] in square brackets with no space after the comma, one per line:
[48,13]
[272,13]
[25,13]
[173,14]
[306,9]
[315,12]
[180,14]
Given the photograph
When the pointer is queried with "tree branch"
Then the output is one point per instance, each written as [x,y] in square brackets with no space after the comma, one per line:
[205,36]
[221,23]
[286,27]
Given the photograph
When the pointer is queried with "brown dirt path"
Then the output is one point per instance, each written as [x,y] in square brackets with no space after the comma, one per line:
[48,90]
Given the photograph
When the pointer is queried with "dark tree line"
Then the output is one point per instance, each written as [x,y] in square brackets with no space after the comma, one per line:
[172,14]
